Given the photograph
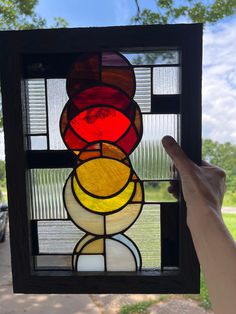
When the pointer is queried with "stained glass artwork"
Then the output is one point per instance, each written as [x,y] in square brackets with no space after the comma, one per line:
[98,68]
[102,124]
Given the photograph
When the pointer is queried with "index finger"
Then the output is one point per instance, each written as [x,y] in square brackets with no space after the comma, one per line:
[179,158]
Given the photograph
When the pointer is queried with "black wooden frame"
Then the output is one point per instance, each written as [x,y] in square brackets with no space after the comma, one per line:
[187,39]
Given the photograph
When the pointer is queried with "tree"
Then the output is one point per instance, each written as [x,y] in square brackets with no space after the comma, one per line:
[224,156]
[168,11]
[20,14]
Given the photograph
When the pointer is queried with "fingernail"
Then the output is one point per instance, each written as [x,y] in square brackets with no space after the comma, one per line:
[167,140]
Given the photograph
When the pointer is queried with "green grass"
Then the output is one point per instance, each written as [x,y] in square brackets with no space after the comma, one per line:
[229,199]
[136,308]
[230,221]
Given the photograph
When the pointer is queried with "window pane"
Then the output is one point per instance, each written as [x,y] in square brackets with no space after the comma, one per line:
[143,88]
[153,57]
[57,98]
[53,262]
[36,106]
[146,235]
[38,142]
[57,237]
[166,80]
[158,191]
[46,199]
[149,159]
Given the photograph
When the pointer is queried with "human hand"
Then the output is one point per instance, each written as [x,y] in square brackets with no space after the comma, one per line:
[203,186]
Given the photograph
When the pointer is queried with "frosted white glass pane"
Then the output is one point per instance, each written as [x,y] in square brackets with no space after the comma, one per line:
[90,263]
[38,142]
[143,88]
[153,57]
[46,195]
[57,98]
[166,80]
[58,236]
[119,257]
[146,235]
[53,261]
[36,106]
[149,159]
[128,243]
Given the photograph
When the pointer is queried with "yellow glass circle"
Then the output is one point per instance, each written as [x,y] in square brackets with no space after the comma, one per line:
[103,176]
[103,205]
[83,218]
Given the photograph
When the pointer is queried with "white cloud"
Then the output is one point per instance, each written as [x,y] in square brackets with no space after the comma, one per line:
[219,82]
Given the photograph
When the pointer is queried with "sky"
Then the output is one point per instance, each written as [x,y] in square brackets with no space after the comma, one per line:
[219,56]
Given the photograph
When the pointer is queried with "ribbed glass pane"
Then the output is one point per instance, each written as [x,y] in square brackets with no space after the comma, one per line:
[58,236]
[143,88]
[149,159]
[47,186]
[36,106]
[166,80]
[146,234]
[57,98]
[153,57]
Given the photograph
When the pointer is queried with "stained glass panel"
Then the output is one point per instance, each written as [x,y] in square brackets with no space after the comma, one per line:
[102,125]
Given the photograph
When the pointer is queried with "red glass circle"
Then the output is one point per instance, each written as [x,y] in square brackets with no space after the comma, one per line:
[107,67]
[100,124]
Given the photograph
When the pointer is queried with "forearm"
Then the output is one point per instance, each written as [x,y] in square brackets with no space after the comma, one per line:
[216,252]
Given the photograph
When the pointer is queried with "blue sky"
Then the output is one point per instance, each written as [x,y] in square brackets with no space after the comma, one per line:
[91,12]
[219,59]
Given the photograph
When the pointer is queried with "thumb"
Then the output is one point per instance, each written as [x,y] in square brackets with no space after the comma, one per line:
[179,158]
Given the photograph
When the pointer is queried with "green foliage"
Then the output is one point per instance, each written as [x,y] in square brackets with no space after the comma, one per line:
[224,156]
[140,307]
[204,294]
[167,11]
[20,14]
[2,171]
[2,181]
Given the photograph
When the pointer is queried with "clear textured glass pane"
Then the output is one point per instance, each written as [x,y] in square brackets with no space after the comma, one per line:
[143,88]
[58,237]
[57,98]
[149,159]
[158,191]
[153,57]
[36,106]
[46,199]
[38,142]
[146,234]
[53,262]
[166,80]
